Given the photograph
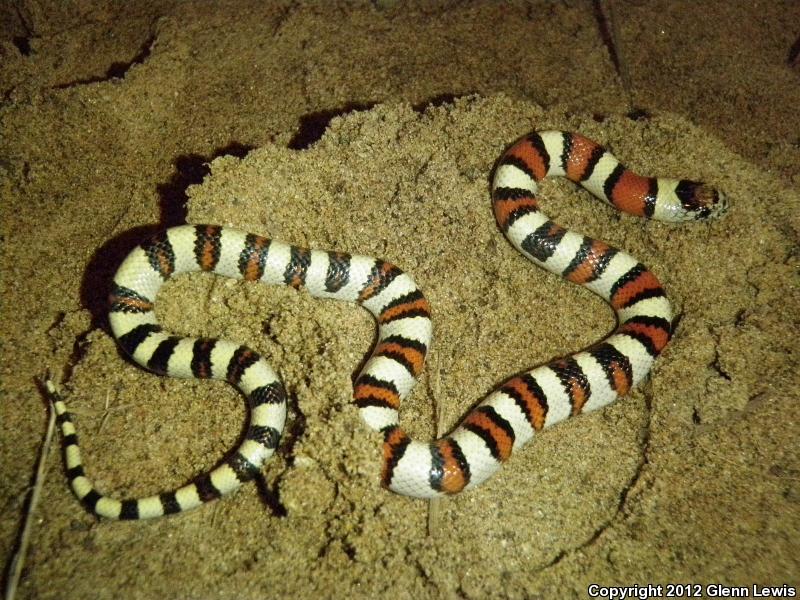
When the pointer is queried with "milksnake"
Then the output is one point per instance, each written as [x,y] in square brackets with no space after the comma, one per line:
[504,421]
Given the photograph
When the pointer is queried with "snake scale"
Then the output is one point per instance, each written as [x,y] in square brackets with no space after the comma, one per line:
[511,414]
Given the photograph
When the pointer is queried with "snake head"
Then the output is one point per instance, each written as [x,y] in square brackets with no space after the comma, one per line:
[700,200]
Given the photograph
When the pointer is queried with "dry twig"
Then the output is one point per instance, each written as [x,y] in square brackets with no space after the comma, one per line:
[18,561]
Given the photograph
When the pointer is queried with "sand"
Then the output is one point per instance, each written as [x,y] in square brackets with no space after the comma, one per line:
[372,128]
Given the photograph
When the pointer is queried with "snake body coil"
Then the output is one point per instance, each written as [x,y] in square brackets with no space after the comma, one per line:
[503,422]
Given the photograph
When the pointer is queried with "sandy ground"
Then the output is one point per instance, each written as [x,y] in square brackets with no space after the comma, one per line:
[372,128]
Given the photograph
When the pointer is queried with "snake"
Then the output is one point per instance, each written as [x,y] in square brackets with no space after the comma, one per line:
[509,417]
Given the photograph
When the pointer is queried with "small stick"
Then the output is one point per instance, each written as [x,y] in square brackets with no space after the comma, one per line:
[18,561]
